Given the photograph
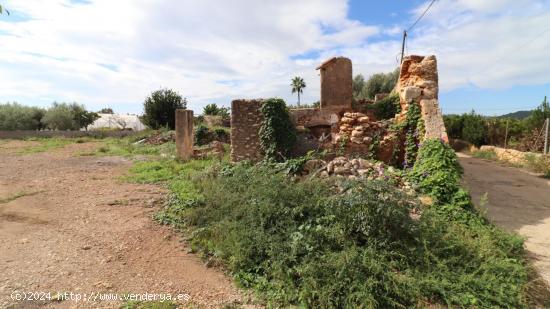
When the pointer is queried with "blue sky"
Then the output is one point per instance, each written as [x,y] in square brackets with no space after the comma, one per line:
[492,54]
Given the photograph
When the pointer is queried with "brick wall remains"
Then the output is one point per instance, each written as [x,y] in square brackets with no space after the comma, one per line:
[246,119]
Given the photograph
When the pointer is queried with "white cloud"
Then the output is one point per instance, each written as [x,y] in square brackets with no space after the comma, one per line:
[110,52]
[116,52]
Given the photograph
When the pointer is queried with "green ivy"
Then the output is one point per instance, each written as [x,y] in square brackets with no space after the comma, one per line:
[437,171]
[413,124]
[277,132]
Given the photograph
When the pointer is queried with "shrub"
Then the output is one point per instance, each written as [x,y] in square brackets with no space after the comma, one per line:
[214,110]
[160,108]
[18,117]
[377,83]
[60,117]
[474,129]
[387,107]
[302,243]
[205,135]
[202,135]
[277,133]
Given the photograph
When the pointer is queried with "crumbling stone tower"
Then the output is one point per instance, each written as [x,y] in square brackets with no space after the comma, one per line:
[336,84]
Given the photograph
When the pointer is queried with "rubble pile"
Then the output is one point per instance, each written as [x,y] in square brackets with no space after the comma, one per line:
[359,129]
[343,167]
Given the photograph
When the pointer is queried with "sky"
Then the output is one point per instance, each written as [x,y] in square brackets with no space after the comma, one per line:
[492,54]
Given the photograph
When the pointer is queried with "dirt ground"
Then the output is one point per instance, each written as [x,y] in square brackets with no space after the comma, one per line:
[67,224]
[518,201]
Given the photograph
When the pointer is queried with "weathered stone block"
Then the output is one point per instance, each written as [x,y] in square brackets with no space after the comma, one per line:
[433,120]
[411,93]
[184,134]
[246,118]
[336,84]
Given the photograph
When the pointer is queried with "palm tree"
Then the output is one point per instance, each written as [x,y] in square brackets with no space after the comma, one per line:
[298,86]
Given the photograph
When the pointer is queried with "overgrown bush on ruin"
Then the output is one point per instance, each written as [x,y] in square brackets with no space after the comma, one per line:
[159,109]
[277,132]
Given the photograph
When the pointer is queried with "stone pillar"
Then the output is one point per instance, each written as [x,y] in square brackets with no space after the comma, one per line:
[336,84]
[184,134]
[246,119]
[418,84]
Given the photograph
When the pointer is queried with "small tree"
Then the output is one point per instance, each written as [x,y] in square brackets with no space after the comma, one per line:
[379,83]
[474,129]
[539,115]
[82,117]
[298,86]
[160,108]
[60,117]
[214,110]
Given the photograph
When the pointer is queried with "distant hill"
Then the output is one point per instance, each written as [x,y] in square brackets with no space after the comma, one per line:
[517,115]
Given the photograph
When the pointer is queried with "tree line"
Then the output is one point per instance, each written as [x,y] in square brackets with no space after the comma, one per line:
[522,134]
[60,116]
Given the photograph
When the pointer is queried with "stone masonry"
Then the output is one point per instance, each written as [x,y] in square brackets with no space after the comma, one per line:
[184,134]
[418,84]
[336,84]
[246,119]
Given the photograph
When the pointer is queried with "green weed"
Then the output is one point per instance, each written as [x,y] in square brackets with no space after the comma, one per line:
[45,144]
[488,155]
[302,243]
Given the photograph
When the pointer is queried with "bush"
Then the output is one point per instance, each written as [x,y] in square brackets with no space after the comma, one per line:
[18,117]
[377,83]
[214,110]
[160,109]
[387,107]
[474,129]
[302,243]
[202,135]
[277,133]
[63,116]
[205,135]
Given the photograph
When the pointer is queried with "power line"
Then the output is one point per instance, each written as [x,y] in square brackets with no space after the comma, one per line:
[412,26]
[421,16]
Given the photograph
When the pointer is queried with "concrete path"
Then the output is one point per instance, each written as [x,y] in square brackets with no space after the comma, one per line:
[518,201]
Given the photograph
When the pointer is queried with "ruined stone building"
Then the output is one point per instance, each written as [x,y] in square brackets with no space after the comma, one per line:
[340,126]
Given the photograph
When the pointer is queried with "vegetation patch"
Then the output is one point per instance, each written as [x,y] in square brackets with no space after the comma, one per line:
[43,144]
[307,243]
[277,132]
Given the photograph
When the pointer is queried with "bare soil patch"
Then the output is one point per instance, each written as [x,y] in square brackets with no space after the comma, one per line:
[74,227]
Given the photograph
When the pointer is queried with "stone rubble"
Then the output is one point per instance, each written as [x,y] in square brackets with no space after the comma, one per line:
[359,129]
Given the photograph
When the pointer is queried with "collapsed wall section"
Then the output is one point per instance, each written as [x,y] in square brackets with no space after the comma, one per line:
[246,119]
[418,84]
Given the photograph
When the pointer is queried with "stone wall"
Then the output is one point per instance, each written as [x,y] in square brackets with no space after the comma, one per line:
[246,119]
[512,156]
[418,84]
[336,84]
